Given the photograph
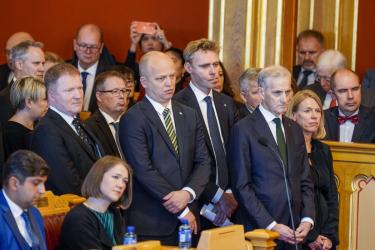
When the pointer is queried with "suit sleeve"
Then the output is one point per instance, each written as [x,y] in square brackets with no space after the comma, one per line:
[134,143]
[63,178]
[241,174]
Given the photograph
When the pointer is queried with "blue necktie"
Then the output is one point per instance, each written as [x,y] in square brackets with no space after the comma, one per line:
[217,144]
[30,231]
[84,75]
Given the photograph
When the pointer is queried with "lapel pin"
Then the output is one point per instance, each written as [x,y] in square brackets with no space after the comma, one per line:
[225,104]
[180,113]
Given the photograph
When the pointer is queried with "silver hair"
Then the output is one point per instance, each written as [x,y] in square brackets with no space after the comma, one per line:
[271,72]
[19,51]
[331,60]
[250,74]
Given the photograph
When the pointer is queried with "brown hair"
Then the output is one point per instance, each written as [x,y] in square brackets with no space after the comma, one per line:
[201,44]
[311,33]
[91,184]
[100,79]
[55,72]
[299,97]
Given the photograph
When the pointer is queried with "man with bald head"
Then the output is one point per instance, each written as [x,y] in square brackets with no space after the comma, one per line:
[350,121]
[88,47]
[27,59]
[6,74]
[164,143]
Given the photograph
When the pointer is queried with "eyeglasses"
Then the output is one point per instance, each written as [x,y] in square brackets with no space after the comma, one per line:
[320,78]
[116,92]
[92,48]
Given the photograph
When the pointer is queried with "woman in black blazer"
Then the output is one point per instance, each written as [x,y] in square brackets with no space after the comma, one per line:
[98,223]
[306,109]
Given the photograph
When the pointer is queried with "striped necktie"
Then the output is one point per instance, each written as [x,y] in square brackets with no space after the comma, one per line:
[170,129]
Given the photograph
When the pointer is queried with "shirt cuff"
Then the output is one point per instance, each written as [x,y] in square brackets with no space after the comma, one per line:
[184,213]
[270,226]
[308,219]
[191,191]
[217,196]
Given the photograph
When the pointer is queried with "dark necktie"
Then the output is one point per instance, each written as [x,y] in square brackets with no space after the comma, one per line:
[281,140]
[342,119]
[305,79]
[82,134]
[170,129]
[117,138]
[30,231]
[84,75]
[217,144]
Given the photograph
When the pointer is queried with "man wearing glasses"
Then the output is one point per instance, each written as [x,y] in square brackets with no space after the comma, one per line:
[112,98]
[88,48]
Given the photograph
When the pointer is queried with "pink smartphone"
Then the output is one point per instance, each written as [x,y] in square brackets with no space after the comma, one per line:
[145,27]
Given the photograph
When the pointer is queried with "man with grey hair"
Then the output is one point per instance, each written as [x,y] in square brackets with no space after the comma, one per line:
[27,59]
[249,91]
[6,72]
[269,165]
[328,62]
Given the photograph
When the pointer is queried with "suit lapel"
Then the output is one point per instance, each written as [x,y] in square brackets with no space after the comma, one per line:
[289,138]
[153,117]
[103,126]
[179,120]
[222,113]
[361,126]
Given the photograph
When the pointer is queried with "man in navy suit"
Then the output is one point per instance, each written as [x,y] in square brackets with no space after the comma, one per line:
[269,165]
[22,225]
[163,142]
[218,113]
[349,121]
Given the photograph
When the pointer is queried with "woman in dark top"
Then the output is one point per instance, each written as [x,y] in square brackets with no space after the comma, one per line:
[28,97]
[98,223]
[306,109]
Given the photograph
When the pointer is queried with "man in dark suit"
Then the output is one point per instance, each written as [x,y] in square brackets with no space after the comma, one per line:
[218,113]
[111,97]
[27,60]
[67,146]
[6,74]
[263,146]
[249,92]
[90,60]
[22,225]
[163,142]
[310,44]
[349,122]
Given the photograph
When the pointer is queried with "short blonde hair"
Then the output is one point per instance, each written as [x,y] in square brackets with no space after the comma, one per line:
[26,87]
[201,44]
[91,184]
[299,97]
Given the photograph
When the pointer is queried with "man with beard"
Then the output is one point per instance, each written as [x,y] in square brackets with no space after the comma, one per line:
[310,44]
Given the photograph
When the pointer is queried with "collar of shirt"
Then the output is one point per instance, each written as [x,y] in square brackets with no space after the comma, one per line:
[69,119]
[268,115]
[158,107]
[91,70]
[108,118]
[199,94]
[14,208]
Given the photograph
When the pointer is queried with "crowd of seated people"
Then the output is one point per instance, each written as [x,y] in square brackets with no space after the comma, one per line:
[154,158]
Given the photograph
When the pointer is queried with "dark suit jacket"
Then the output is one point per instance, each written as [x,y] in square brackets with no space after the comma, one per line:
[4,75]
[158,169]
[364,131]
[257,173]
[6,109]
[68,157]
[82,230]
[318,90]
[10,236]
[227,115]
[326,197]
[106,62]
[243,111]
[99,127]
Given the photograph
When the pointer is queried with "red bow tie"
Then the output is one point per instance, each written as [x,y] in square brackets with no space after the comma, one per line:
[343,119]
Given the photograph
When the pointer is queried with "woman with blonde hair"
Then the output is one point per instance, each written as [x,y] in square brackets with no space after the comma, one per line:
[28,98]
[98,222]
[306,109]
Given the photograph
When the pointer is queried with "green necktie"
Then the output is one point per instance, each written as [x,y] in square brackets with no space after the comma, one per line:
[280,140]
[170,130]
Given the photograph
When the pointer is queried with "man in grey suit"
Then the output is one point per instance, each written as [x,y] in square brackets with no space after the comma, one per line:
[269,166]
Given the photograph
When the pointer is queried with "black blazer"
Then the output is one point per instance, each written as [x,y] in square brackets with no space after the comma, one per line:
[326,197]
[158,169]
[6,109]
[4,75]
[68,157]
[295,72]
[243,111]
[99,127]
[227,115]
[257,173]
[364,130]
[106,62]
[81,229]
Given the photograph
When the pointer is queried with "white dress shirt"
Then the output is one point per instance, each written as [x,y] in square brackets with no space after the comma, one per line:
[69,119]
[89,83]
[346,129]
[17,215]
